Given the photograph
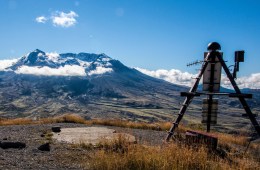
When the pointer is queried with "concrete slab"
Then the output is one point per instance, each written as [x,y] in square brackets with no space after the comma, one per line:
[89,135]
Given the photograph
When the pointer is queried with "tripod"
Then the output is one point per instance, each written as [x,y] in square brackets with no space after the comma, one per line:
[212,58]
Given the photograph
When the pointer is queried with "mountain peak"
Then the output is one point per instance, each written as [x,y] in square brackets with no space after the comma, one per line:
[40,63]
[38,51]
[34,56]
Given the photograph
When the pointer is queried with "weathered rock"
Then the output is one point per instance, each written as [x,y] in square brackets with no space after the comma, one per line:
[56,129]
[45,147]
[7,145]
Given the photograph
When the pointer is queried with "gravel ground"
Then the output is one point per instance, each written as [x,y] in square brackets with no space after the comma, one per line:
[61,156]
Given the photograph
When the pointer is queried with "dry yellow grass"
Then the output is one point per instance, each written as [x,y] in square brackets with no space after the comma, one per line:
[18,121]
[234,139]
[127,124]
[67,118]
[119,154]
[74,118]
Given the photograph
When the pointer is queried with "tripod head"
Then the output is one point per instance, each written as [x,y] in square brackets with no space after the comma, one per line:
[214,46]
[213,49]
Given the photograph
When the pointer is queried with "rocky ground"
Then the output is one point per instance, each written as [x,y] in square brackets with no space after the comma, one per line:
[61,155]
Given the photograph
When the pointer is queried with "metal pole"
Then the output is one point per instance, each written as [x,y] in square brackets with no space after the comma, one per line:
[211,87]
[241,99]
[210,101]
[187,101]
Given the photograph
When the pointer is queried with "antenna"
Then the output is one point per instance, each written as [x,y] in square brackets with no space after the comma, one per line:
[195,63]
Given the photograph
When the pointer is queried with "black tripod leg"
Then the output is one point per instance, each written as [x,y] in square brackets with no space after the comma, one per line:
[187,101]
[241,99]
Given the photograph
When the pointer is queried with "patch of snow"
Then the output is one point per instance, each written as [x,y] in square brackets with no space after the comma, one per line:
[108,64]
[53,56]
[84,63]
[40,54]
[106,59]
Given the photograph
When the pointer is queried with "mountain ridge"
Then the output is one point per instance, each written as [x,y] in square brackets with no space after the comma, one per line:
[41,59]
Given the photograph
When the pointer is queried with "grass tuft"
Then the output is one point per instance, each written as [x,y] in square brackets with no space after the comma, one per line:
[17,121]
[67,118]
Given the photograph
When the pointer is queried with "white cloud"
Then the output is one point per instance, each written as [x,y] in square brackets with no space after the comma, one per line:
[41,19]
[185,78]
[172,76]
[100,70]
[6,63]
[67,70]
[252,81]
[63,19]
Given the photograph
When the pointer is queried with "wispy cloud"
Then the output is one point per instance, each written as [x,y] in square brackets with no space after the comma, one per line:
[4,64]
[63,19]
[67,70]
[59,19]
[185,78]
[172,76]
[100,70]
[41,19]
[252,81]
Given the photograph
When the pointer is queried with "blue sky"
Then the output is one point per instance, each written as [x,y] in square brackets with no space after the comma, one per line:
[150,34]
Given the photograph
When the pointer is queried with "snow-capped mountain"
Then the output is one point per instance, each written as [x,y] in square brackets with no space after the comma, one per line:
[82,64]
[43,84]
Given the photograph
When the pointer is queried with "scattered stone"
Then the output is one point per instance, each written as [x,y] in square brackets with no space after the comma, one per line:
[44,147]
[7,145]
[56,129]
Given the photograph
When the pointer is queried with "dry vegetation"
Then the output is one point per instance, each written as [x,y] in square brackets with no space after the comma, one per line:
[74,118]
[67,118]
[119,154]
